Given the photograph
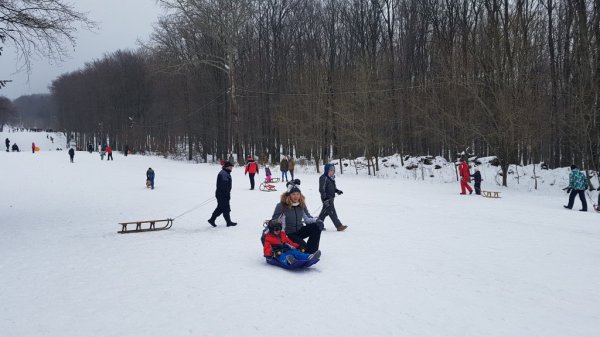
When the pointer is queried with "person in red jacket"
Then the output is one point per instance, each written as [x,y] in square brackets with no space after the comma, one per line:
[109,153]
[32,147]
[465,175]
[277,245]
[252,169]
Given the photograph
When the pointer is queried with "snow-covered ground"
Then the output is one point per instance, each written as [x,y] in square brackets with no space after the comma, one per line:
[417,259]
[23,139]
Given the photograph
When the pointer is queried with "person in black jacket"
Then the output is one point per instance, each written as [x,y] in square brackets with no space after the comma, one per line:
[223,195]
[477,179]
[328,191]
[7,142]
[71,154]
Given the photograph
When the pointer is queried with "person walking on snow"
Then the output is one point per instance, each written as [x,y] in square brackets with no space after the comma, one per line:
[278,245]
[223,195]
[71,154]
[328,190]
[109,153]
[252,169]
[101,151]
[150,177]
[577,186]
[477,179]
[283,167]
[465,175]
[32,147]
[291,167]
[7,142]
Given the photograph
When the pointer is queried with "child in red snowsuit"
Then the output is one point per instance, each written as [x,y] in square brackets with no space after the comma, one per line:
[465,175]
[277,245]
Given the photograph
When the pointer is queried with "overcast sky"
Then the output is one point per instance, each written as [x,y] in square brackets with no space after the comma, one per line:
[121,23]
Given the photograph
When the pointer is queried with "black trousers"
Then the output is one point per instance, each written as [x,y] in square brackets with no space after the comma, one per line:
[252,180]
[572,196]
[329,211]
[71,158]
[224,208]
[477,188]
[310,231]
[109,157]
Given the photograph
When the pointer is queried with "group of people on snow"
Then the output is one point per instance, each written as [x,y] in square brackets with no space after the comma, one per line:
[105,150]
[465,178]
[292,233]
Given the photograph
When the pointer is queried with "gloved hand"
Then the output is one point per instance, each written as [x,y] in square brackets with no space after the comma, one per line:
[339,192]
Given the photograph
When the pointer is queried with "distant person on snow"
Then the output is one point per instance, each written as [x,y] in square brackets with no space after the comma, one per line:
[252,170]
[268,173]
[477,179]
[101,151]
[32,147]
[150,177]
[577,186]
[291,166]
[15,148]
[223,195]
[283,167]
[7,141]
[71,154]
[296,220]
[328,190]
[277,245]
[126,150]
[465,175]
[109,153]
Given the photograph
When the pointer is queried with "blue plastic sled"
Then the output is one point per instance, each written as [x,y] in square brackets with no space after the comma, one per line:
[296,265]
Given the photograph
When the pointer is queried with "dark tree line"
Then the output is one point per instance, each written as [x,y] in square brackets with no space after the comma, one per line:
[345,78]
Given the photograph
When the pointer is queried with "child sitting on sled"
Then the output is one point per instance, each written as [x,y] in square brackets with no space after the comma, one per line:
[277,245]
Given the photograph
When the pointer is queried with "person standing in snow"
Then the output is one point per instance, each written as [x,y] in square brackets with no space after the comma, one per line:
[7,142]
[150,177]
[283,167]
[267,173]
[477,179]
[101,151]
[252,170]
[126,150]
[109,153]
[465,175]
[296,220]
[577,186]
[328,190]
[223,195]
[32,147]
[291,167]
[71,154]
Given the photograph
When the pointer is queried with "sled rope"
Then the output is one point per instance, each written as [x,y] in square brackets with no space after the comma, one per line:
[202,204]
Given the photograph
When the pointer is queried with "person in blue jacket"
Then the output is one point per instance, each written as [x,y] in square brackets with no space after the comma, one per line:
[150,177]
[223,195]
[577,186]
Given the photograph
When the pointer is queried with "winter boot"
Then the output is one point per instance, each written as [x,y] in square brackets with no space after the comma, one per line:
[212,222]
[341,228]
[290,259]
[315,256]
[228,219]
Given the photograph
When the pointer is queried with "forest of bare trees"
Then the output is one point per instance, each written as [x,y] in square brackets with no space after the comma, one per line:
[518,79]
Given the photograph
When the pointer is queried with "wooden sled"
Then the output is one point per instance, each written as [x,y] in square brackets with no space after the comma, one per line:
[273,180]
[267,187]
[490,194]
[138,226]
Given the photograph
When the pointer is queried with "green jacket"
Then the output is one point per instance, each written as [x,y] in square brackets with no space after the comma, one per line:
[577,180]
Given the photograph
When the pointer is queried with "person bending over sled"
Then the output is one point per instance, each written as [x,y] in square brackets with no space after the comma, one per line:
[278,246]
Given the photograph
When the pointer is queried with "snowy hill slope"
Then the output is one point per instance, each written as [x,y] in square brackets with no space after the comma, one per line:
[42,139]
[417,260]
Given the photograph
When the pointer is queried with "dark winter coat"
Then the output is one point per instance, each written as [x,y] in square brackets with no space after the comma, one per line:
[327,186]
[150,174]
[292,216]
[7,141]
[267,171]
[71,152]
[477,177]
[224,183]
[283,165]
